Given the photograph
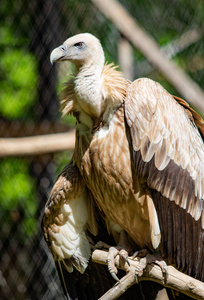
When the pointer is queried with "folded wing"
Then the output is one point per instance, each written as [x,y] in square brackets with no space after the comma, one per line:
[168,153]
[67,216]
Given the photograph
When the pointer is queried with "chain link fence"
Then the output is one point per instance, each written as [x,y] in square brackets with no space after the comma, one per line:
[29,106]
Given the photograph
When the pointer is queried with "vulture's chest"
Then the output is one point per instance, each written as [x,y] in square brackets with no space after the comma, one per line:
[104,160]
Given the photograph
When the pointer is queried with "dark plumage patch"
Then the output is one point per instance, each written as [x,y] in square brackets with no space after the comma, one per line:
[182,239]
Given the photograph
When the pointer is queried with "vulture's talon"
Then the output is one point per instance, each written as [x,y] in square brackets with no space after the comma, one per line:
[124,254]
[147,258]
[115,277]
[126,259]
[141,266]
[112,253]
[162,264]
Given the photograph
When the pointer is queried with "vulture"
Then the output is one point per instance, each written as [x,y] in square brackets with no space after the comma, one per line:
[138,161]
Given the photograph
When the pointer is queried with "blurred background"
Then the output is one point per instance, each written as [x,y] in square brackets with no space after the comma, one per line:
[29,106]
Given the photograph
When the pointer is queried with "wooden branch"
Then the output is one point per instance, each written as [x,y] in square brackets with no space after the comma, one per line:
[145,43]
[125,56]
[37,145]
[171,49]
[175,279]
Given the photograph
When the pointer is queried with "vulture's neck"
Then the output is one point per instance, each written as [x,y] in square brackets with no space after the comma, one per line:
[88,89]
[95,93]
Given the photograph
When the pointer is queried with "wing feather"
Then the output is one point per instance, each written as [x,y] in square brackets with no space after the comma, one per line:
[168,154]
[168,139]
[67,216]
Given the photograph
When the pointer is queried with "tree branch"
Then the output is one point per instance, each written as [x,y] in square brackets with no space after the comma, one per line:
[36,145]
[171,49]
[175,280]
[145,43]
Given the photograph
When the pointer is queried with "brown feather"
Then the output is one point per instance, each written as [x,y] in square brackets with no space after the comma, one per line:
[68,98]
[68,244]
[114,85]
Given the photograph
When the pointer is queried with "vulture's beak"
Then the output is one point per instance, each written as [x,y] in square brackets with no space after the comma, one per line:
[58,54]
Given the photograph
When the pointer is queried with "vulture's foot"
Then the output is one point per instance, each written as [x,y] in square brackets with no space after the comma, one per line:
[122,250]
[147,258]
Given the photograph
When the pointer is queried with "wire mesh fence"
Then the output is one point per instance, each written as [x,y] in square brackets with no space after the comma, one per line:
[29,105]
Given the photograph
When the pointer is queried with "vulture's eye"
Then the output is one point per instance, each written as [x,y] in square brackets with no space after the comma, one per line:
[79,45]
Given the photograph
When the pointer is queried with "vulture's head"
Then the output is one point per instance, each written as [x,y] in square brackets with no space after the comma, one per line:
[82,49]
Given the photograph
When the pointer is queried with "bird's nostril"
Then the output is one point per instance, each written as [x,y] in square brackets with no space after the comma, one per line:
[63,47]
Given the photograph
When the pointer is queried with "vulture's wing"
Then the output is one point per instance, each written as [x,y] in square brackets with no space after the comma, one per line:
[168,153]
[66,218]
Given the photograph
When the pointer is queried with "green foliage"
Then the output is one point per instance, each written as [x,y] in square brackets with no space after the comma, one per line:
[61,160]
[17,191]
[18,69]
[6,37]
